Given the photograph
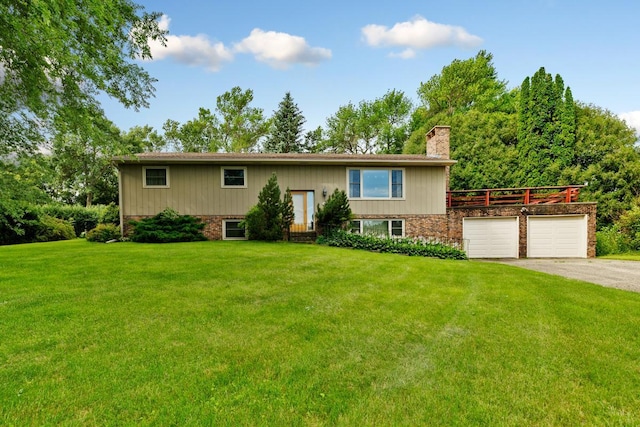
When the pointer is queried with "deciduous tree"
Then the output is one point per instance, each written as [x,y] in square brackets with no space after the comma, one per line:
[141,139]
[81,158]
[234,126]
[55,53]
[241,126]
[463,84]
[196,136]
[379,126]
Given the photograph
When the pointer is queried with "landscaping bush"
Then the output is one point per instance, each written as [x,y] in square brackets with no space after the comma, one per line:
[405,246]
[255,224]
[51,229]
[110,214]
[104,233]
[335,213]
[167,226]
[82,218]
[629,225]
[611,241]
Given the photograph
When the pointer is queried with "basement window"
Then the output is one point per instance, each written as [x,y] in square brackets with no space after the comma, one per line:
[378,227]
[233,230]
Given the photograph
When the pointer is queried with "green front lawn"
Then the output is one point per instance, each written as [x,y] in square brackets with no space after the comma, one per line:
[627,256]
[243,333]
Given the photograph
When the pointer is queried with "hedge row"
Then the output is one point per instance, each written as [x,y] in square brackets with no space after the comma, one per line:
[83,218]
[42,223]
[405,246]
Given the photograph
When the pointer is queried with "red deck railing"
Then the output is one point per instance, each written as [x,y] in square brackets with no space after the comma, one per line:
[513,196]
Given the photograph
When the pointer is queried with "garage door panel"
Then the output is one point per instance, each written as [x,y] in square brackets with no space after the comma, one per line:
[557,237]
[495,237]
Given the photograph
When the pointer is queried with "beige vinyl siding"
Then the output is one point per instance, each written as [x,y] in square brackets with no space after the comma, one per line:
[424,193]
[196,189]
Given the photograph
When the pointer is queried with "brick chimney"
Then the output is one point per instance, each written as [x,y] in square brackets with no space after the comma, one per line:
[438,142]
[438,147]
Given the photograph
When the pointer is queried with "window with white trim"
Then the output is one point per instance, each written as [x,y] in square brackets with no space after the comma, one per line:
[375,183]
[378,227]
[155,176]
[234,177]
[233,230]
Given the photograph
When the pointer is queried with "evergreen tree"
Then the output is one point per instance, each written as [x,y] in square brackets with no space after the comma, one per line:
[523,109]
[286,130]
[269,202]
[288,213]
[546,129]
[271,216]
[335,214]
[567,131]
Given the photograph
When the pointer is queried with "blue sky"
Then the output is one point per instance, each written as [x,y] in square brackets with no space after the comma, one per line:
[329,53]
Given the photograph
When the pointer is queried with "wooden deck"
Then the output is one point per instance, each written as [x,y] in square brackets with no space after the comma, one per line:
[513,196]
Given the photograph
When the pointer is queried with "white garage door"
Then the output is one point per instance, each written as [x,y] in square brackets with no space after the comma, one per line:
[495,237]
[557,236]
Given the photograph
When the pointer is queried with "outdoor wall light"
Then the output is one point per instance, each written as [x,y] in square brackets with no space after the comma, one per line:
[324,191]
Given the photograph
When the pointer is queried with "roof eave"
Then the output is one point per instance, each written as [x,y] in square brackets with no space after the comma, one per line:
[342,161]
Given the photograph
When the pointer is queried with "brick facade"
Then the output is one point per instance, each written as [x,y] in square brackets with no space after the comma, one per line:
[456,215]
[446,228]
[429,226]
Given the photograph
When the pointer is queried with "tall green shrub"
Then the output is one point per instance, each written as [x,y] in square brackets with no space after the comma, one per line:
[110,214]
[335,213]
[288,213]
[268,219]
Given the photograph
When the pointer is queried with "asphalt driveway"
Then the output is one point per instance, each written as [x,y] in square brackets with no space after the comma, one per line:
[612,273]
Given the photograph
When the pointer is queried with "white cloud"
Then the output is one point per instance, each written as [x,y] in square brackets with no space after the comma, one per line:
[280,50]
[191,50]
[418,33]
[405,54]
[633,120]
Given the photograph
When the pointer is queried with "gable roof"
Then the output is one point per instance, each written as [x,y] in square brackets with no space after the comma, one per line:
[284,159]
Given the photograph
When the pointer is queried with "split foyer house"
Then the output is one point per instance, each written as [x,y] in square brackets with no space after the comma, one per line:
[395,195]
